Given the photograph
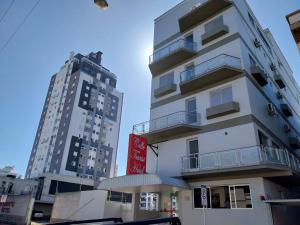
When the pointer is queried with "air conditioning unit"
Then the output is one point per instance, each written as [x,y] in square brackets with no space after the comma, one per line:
[279,94]
[286,128]
[271,109]
[257,43]
[272,66]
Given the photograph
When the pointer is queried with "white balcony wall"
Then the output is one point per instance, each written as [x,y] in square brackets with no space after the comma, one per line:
[239,92]
[233,49]
[170,152]
[167,26]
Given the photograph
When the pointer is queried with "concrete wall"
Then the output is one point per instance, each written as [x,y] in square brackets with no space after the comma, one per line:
[88,205]
[259,215]
[20,186]
[170,152]
[16,210]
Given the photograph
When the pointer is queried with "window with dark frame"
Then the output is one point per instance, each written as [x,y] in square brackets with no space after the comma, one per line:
[166,80]
[225,197]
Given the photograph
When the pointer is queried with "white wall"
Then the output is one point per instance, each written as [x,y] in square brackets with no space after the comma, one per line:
[170,152]
[258,215]
[239,92]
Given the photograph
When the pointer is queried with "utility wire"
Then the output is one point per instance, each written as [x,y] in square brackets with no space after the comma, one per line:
[6,11]
[19,27]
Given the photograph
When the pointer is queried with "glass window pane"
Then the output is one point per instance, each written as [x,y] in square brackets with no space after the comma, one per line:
[220,197]
[166,80]
[226,95]
[243,197]
[215,98]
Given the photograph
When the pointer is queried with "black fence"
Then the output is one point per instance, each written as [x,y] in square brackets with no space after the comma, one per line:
[114,220]
[119,221]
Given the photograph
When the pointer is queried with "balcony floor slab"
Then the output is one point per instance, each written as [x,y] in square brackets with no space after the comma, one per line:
[264,170]
[220,74]
[176,57]
[163,134]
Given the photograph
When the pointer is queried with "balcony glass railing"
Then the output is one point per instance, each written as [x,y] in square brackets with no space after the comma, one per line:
[174,119]
[242,157]
[210,65]
[171,48]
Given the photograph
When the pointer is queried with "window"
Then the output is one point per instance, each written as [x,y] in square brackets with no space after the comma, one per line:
[211,26]
[191,109]
[220,197]
[149,201]
[240,197]
[166,80]
[221,96]
[225,197]
[193,149]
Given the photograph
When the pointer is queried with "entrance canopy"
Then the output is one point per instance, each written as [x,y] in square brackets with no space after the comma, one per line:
[287,202]
[143,183]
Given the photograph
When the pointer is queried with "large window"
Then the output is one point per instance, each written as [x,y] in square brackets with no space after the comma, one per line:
[211,26]
[166,80]
[240,197]
[220,197]
[149,201]
[225,197]
[221,96]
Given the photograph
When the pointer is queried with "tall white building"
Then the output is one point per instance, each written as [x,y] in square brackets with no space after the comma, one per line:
[225,115]
[79,127]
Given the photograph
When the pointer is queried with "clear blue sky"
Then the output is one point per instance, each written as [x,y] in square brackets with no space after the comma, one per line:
[124,33]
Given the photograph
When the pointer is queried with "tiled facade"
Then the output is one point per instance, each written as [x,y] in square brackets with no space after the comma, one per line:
[79,126]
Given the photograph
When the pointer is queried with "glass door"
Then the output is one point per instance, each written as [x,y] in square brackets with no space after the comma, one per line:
[193,149]
[191,109]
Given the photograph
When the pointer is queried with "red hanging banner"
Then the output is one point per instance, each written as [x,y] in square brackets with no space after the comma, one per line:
[137,155]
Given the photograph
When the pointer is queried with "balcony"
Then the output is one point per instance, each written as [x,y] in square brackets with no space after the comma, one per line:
[286,110]
[159,92]
[259,75]
[217,31]
[242,161]
[160,129]
[279,80]
[202,12]
[215,70]
[222,110]
[171,55]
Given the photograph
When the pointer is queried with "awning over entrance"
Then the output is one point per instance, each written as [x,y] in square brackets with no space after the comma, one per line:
[287,202]
[143,183]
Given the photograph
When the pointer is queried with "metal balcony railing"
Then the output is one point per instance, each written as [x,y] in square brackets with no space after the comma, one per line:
[171,48]
[209,66]
[171,120]
[242,157]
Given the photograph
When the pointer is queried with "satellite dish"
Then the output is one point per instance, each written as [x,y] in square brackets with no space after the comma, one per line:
[101,3]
